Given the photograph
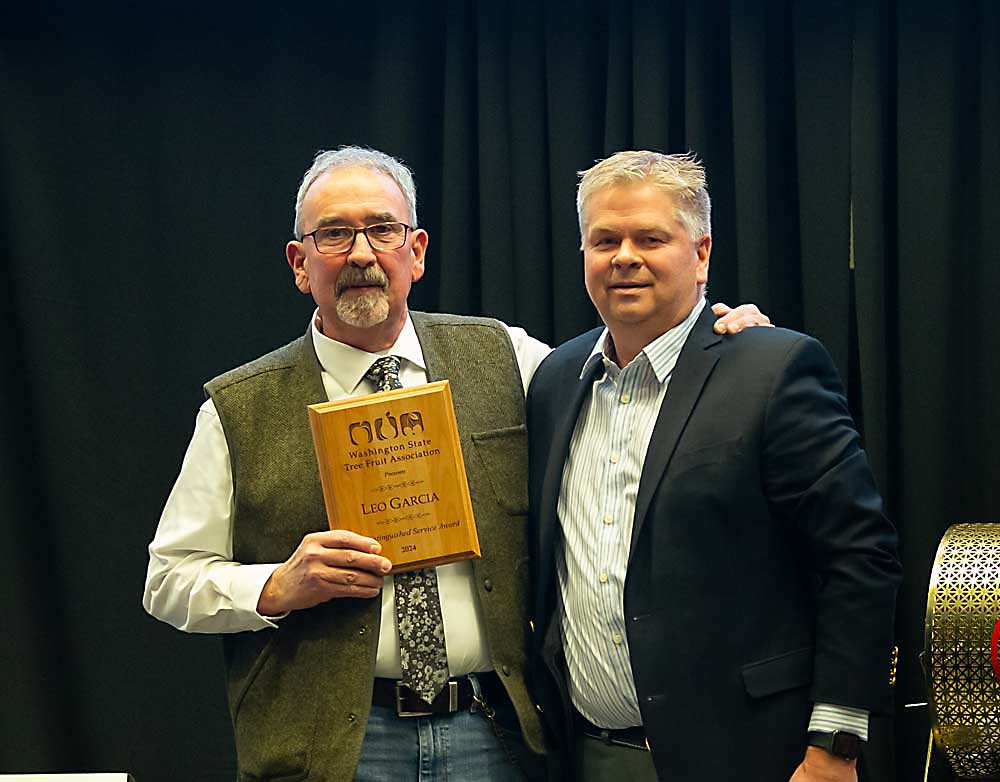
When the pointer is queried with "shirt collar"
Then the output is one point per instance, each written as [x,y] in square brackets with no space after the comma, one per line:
[661,353]
[347,365]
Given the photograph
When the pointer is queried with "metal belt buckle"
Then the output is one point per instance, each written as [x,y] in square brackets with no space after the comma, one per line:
[625,742]
[401,712]
[618,739]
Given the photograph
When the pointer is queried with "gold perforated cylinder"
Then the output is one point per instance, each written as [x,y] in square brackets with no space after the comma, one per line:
[963,608]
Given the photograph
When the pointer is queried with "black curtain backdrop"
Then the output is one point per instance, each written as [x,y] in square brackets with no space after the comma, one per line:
[149,157]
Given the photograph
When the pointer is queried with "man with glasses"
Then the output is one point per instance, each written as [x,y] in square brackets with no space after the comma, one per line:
[325,682]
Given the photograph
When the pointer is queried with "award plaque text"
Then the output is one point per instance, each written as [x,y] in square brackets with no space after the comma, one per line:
[391,468]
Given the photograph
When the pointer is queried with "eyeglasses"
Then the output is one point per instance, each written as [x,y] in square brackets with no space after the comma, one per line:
[340,238]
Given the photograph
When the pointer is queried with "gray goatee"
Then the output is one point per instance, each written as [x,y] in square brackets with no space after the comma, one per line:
[367,309]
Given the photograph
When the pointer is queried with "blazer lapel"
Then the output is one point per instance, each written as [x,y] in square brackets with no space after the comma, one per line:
[694,365]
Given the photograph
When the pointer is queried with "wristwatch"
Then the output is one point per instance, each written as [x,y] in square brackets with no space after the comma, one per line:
[840,743]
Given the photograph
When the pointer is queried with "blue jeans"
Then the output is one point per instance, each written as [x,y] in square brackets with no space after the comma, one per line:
[458,747]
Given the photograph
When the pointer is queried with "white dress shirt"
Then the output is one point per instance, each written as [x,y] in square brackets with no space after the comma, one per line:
[192,581]
[596,510]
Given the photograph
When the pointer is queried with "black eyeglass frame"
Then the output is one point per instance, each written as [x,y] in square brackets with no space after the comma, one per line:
[407,229]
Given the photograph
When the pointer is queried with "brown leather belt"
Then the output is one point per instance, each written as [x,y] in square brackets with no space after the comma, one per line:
[456,695]
[622,737]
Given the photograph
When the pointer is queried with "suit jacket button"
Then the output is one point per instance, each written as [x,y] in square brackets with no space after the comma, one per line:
[488,585]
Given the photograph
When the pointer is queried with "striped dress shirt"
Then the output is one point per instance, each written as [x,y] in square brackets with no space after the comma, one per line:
[596,508]
[600,483]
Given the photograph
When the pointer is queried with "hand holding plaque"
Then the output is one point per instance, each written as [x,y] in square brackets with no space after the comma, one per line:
[391,468]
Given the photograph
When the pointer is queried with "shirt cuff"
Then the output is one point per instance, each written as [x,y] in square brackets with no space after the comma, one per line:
[245,590]
[827,718]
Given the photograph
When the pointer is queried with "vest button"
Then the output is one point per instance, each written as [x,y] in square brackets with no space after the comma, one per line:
[363,630]
[352,717]
[505,669]
[488,585]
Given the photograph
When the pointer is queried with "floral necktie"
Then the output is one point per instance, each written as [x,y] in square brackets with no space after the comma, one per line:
[418,605]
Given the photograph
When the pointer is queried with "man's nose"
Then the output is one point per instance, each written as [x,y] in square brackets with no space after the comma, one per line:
[361,253]
[627,254]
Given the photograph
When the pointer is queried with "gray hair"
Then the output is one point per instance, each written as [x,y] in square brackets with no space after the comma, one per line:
[681,176]
[357,157]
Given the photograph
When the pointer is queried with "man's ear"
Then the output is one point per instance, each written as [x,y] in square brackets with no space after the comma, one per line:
[419,250]
[295,251]
[704,251]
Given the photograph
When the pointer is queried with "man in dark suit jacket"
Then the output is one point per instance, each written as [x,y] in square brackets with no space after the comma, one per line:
[714,579]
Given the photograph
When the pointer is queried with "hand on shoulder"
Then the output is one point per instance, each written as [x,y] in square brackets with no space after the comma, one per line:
[733,321]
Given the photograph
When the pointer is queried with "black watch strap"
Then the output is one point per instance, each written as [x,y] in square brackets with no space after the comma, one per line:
[840,743]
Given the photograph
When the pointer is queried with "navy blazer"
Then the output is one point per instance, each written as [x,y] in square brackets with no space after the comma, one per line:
[762,572]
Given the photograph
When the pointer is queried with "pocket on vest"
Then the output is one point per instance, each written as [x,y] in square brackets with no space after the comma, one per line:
[503,454]
[297,773]
[274,712]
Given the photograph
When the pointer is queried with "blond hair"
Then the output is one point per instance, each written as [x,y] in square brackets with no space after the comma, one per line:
[681,176]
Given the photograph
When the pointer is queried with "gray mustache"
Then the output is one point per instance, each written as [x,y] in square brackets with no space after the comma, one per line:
[352,277]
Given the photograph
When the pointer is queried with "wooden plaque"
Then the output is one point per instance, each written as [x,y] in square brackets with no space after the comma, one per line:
[391,468]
